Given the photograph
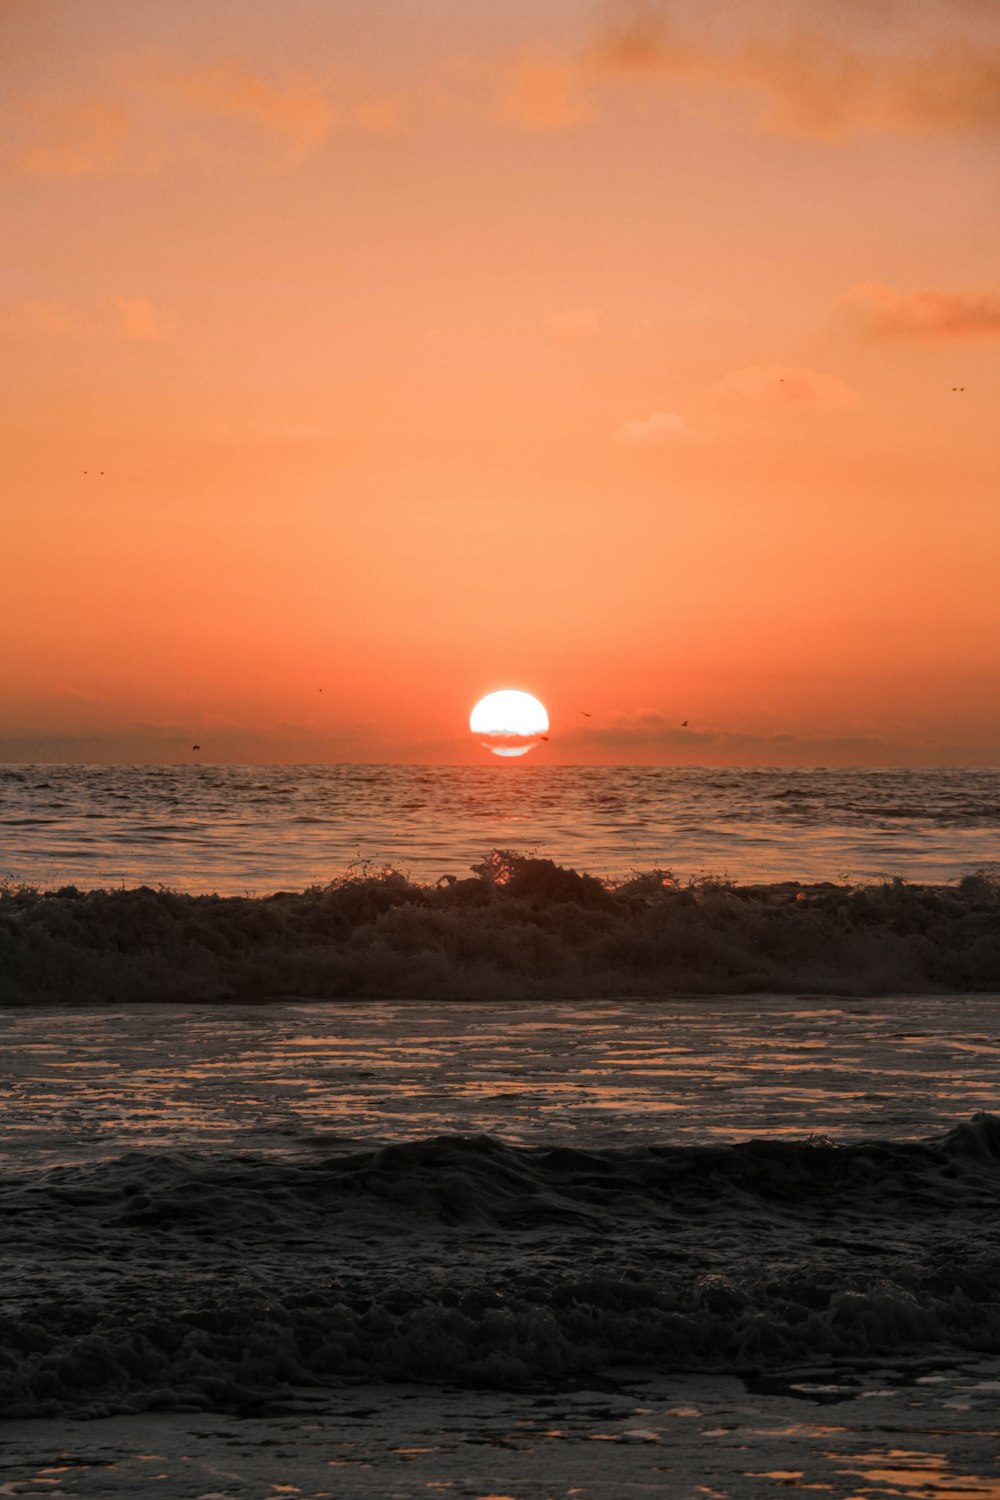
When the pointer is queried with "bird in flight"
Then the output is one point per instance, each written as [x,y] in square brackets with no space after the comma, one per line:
[585,714]
[685,724]
[195,747]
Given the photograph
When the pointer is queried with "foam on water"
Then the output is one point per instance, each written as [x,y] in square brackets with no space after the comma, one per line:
[518,928]
[161,1279]
[324,1232]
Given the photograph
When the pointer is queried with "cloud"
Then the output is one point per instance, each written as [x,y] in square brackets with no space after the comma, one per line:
[814,82]
[140,320]
[816,86]
[955,87]
[102,741]
[812,85]
[57,318]
[283,432]
[83,139]
[140,125]
[637,37]
[133,318]
[727,404]
[297,110]
[783,386]
[882,311]
[654,431]
[540,94]
[376,117]
[574,324]
[652,732]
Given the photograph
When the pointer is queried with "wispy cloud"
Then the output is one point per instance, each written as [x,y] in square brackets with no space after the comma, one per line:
[132,318]
[544,94]
[82,139]
[817,87]
[643,733]
[783,387]
[378,116]
[637,36]
[655,431]
[811,81]
[139,319]
[56,318]
[881,311]
[760,389]
[296,109]
[574,324]
[278,432]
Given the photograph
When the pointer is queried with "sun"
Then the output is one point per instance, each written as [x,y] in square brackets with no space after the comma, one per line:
[509,722]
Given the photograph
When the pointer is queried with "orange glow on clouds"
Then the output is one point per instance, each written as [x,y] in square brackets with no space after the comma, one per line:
[367,357]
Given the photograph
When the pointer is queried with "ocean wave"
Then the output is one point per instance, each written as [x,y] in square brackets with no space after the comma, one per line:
[519,927]
[205,1282]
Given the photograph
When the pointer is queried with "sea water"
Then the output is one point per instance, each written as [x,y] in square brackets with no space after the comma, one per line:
[529,1247]
[545,1251]
[205,1207]
[235,829]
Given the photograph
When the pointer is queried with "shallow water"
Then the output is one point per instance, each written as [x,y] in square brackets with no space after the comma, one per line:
[885,1435]
[249,1230]
[261,828]
[85,1085]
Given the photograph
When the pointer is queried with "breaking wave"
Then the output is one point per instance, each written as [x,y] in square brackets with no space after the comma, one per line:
[517,927]
[204,1282]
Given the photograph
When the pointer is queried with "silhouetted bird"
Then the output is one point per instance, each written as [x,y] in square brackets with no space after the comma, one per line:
[543,736]
[585,714]
[685,724]
[195,747]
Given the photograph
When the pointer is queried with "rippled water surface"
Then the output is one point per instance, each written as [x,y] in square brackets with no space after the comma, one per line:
[280,1079]
[262,828]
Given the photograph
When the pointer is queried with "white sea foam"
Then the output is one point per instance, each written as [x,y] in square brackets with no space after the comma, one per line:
[517,928]
[220,1282]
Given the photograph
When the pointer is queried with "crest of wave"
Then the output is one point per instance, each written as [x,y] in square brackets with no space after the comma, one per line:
[517,927]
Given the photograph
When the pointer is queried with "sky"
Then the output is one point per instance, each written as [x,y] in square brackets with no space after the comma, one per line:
[362,357]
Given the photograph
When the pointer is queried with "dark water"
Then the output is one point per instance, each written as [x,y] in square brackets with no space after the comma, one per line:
[211,1209]
[207,1281]
[263,828]
[204,1210]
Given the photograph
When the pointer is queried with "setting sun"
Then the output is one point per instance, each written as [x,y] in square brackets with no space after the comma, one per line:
[509,722]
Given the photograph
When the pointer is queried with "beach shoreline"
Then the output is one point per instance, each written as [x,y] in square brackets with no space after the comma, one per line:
[891,1433]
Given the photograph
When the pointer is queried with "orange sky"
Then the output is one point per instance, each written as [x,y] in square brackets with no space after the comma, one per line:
[428,347]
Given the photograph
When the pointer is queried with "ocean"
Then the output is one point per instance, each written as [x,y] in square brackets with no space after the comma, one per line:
[257,829]
[380,1131]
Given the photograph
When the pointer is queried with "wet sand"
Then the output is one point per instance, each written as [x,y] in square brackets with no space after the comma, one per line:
[872,1438]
